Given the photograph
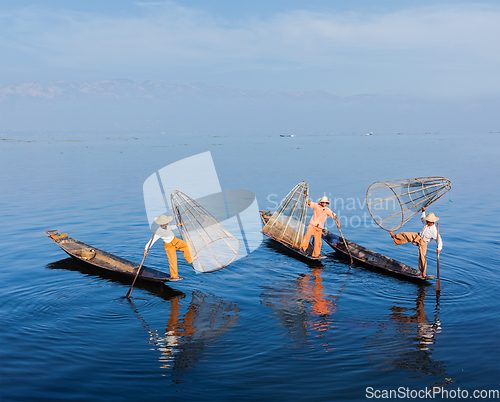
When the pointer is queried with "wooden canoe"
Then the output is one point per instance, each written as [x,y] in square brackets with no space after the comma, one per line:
[371,259]
[265,215]
[102,259]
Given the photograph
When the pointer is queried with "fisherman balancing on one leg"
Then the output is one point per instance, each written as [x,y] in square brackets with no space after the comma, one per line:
[172,244]
[316,224]
[428,233]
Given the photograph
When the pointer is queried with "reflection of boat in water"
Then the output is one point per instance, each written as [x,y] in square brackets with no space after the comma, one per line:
[158,289]
[102,259]
[192,325]
[190,329]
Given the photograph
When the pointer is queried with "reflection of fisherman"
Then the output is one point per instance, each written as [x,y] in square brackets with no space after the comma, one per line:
[426,330]
[171,339]
[316,224]
[176,332]
[207,317]
[321,306]
[428,233]
[172,244]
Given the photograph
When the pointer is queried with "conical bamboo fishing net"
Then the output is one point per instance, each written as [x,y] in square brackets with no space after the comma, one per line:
[211,242]
[392,203]
[288,221]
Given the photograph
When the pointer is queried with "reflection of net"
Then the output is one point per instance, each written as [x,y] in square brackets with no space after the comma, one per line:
[288,221]
[211,242]
[190,330]
[392,203]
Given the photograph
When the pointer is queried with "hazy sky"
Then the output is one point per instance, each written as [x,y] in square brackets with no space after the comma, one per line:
[445,49]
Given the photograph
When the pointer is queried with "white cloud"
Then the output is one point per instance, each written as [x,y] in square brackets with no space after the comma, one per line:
[165,34]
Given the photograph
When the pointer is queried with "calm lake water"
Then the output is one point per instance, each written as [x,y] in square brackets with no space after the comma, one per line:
[268,327]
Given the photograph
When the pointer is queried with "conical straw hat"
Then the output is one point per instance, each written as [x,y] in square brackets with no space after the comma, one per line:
[431,217]
[163,219]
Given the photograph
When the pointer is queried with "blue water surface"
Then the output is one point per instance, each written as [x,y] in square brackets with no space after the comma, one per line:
[267,327]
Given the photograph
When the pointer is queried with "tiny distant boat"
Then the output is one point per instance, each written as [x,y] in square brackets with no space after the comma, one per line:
[370,133]
[287,135]
[104,260]
[371,259]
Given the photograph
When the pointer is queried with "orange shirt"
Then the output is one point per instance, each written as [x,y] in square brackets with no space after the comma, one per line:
[319,215]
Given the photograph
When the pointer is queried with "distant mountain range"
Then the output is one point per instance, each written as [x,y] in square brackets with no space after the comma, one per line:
[121,105]
[124,89]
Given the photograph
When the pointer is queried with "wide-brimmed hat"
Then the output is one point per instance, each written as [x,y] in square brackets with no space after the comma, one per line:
[163,219]
[431,217]
[324,199]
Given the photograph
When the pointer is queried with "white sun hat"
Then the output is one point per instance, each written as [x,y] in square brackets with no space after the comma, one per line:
[163,219]
[324,199]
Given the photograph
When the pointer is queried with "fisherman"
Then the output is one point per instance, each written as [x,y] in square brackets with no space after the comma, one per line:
[172,244]
[316,224]
[428,233]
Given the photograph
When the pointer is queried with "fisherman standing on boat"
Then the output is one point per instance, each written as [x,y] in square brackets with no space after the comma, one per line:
[172,244]
[316,224]
[428,233]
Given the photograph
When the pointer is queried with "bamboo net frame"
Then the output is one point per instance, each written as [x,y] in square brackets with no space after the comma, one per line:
[209,240]
[392,203]
[287,223]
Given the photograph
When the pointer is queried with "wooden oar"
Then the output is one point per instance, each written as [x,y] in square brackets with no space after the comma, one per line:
[139,269]
[345,244]
[438,284]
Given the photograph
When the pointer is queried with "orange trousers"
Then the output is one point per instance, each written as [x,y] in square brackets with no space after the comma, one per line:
[316,233]
[171,249]
[410,237]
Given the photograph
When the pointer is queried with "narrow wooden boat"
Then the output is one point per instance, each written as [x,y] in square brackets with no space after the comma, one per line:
[102,259]
[371,259]
[265,216]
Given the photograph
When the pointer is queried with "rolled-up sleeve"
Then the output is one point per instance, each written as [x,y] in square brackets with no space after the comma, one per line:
[439,242]
[152,241]
[422,218]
